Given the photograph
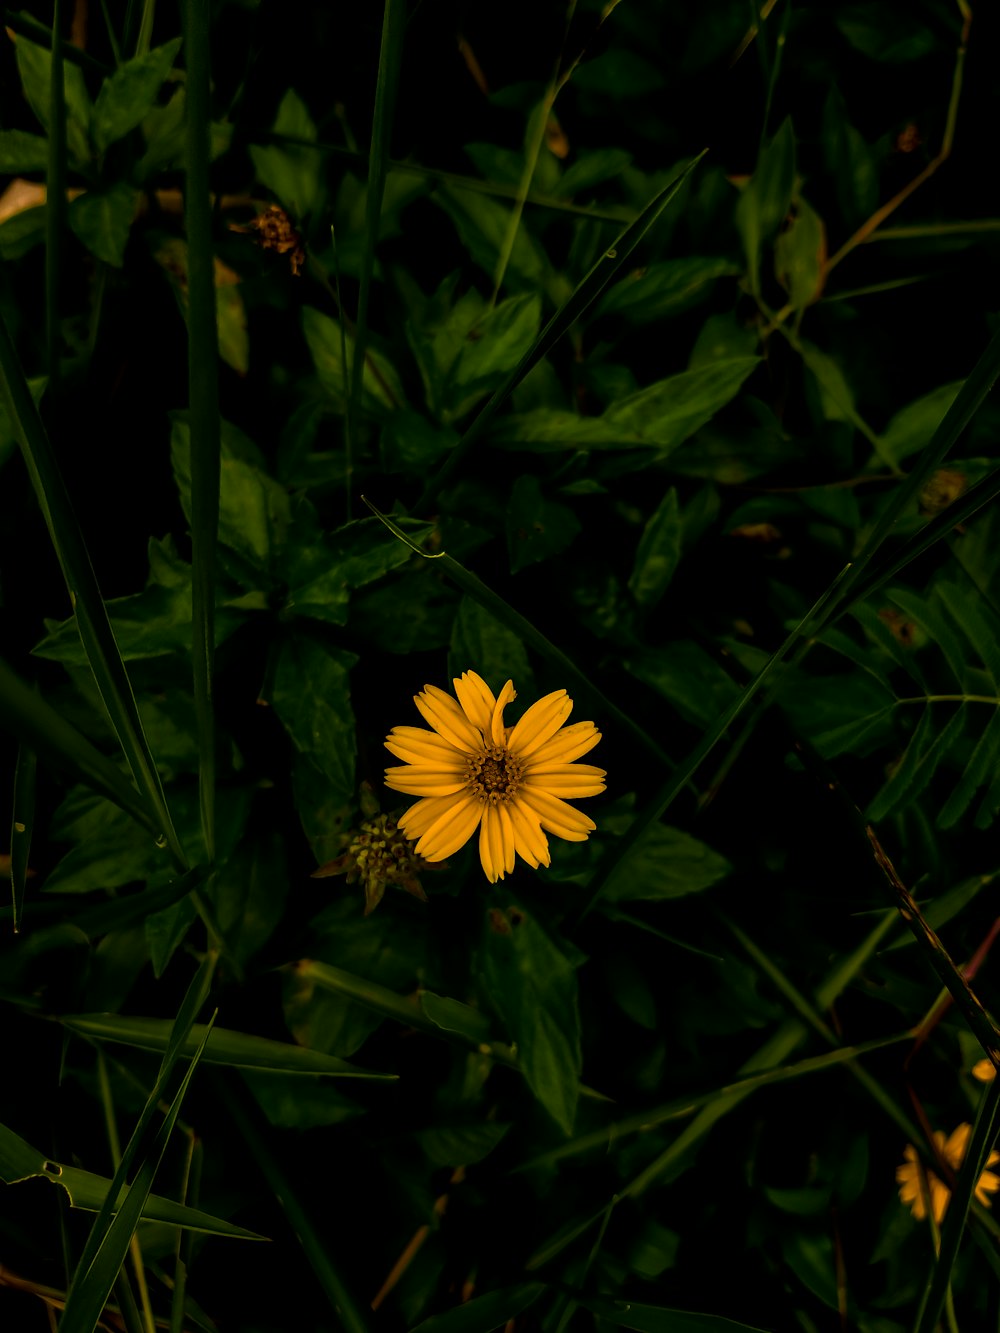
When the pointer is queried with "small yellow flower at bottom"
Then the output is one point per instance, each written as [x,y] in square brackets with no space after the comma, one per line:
[916,1183]
[473,772]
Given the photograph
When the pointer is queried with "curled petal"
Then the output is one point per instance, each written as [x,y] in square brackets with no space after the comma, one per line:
[476,699]
[542,720]
[497,729]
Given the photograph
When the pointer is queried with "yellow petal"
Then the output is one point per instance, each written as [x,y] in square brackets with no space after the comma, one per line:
[477,700]
[418,746]
[491,849]
[556,816]
[567,744]
[419,818]
[451,830]
[530,842]
[447,719]
[497,729]
[424,782]
[507,837]
[542,720]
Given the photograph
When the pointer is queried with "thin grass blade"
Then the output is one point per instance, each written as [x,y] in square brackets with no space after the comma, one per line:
[55,198]
[92,1285]
[21,827]
[573,308]
[92,619]
[203,396]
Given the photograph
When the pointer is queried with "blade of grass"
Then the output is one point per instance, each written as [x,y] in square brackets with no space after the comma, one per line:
[389,59]
[529,635]
[37,725]
[981,1140]
[195,996]
[315,1248]
[25,26]
[92,1285]
[55,199]
[203,394]
[21,826]
[190,1191]
[643,1121]
[92,619]
[572,309]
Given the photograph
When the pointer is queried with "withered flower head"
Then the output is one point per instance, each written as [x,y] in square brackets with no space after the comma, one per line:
[378,855]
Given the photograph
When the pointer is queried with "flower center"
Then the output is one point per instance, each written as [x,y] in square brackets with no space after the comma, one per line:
[494,775]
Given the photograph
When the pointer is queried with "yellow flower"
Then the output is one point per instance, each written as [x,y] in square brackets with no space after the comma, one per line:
[983,1070]
[473,772]
[915,1181]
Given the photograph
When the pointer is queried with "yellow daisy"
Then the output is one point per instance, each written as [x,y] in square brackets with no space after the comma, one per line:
[473,772]
[915,1182]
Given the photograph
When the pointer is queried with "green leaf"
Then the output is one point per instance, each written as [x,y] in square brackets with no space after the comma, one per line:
[665,863]
[102,219]
[659,552]
[912,427]
[664,288]
[113,850]
[885,34]
[130,92]
[765,200]
[410,443]
[22,232]
[536,528]
[689,677]
[239,1050]
[665,413]
[848,713]
[484,1313]
[799,255]
[34,65]
[533,985]
[20,1161]
[312,697]
[836,395]
[358,553]
[657,1319]
[453,1016]
[927,747]
[461,1145]
[382,391]
[291,172]
[480,643]
[21,151]
[591,169]
[849,161]
[482,226]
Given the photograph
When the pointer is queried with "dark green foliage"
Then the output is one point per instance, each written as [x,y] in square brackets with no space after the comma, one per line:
[648,358]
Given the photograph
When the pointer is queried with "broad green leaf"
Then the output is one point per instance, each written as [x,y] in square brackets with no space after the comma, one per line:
[480,643]
[22,232]
[972,614]
[290,1102]
[912,426]
[240,1050]
[665,413]
[591,169]
[356,554]
[20,1161]
[103,220]
[461,1145]
[689,677]
[453,1016]
[723,338]
[114,851]
[836,395]
[849,161]
[848,713]
[766,197]
[34,65]
[254,509]
[410,443]
[130,92]
[657,1319]
[291,171]
[665,863]
[928,746]
[664,288]
[171,253]
[382,391]
[536,527]
[482,226]
[659,552]
[982,765]
[484,1313]
[532,983]
[884,34]
[799,255]
[21,151]
[311,695]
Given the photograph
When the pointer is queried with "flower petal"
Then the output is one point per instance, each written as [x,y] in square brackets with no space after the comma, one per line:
[567,744]
[492,851]
[416,745]
[424,781]
[556,816]
[418,819]
[530,842]
[450,830]
[477,700]
[447,719]
[542,720]
[570,785]
[497,728]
